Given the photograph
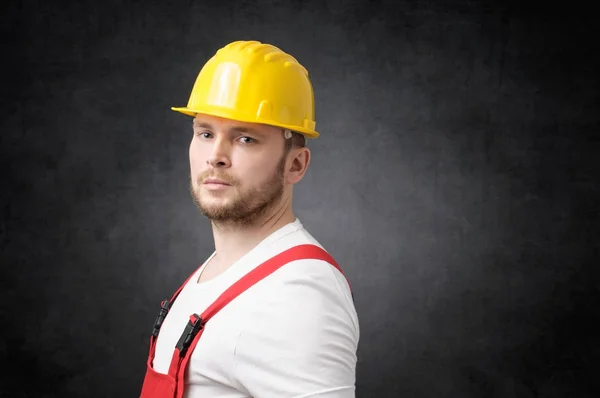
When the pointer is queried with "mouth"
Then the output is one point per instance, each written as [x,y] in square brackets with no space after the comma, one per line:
[215,183]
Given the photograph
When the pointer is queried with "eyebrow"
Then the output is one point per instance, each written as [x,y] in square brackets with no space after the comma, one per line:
[237,129]
[203,125]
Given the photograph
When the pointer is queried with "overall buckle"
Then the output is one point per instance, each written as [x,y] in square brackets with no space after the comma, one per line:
[164,309]
[191,330]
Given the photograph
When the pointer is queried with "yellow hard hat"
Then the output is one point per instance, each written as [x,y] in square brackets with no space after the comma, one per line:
[254,82]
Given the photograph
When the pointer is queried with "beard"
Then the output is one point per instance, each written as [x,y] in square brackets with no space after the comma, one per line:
[245,208]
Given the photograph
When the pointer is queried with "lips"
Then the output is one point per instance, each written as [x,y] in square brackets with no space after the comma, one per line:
[215,181]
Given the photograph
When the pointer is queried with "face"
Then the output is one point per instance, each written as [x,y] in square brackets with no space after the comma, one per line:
[237,169]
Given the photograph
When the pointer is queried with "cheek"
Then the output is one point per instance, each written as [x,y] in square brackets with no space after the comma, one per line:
[195,154]
[261,172]
[195,159]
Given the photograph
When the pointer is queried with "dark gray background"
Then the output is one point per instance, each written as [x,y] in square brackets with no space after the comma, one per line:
[453,182]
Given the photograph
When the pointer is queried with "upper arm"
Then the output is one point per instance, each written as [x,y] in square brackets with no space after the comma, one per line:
[300,338]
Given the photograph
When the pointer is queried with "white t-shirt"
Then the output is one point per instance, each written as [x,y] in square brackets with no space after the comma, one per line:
[294,334]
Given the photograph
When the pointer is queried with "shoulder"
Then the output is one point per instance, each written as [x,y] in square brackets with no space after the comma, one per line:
[304,298]
[317,273]
[312,285]
[301,324]
[301,279]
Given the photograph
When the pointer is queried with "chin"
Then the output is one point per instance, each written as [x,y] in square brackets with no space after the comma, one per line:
[214,204]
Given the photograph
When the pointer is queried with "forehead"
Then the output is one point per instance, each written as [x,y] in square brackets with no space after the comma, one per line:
[218,123]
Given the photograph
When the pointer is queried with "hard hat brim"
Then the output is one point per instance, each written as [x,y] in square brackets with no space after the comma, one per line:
[229,114]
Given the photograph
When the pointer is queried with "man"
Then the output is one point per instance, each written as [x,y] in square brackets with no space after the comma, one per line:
[281,318]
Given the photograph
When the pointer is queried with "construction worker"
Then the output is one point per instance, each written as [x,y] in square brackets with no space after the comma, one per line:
[269,313]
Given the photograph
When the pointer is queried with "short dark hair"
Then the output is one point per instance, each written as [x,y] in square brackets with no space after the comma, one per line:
[296,141]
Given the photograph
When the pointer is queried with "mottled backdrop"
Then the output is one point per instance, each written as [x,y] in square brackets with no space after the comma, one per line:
[454,181]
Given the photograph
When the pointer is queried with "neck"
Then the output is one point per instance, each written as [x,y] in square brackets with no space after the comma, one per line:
[233,241]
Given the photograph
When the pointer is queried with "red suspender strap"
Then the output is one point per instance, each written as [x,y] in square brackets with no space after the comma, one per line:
[195,327]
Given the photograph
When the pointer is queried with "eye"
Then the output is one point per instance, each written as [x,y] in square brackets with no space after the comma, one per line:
[247,140]
[204,134]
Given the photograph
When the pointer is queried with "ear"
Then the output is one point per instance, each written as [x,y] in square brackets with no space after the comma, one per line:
[300,159]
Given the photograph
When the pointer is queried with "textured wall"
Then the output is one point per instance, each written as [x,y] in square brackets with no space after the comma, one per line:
[453,182]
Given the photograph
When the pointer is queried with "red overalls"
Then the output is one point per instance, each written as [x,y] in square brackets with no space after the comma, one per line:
[158,385]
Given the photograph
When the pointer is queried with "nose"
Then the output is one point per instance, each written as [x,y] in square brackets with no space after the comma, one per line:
[219,156]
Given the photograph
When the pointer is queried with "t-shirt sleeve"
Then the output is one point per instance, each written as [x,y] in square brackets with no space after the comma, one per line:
[300,339]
